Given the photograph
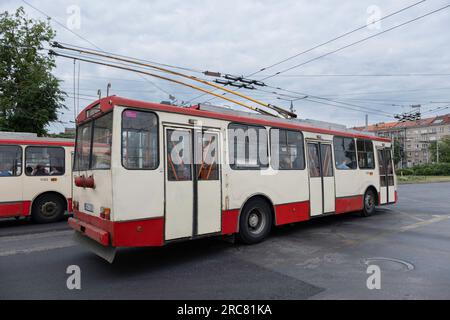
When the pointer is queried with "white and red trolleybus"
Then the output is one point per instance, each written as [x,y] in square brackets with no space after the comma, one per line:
[148,174]
[35,176]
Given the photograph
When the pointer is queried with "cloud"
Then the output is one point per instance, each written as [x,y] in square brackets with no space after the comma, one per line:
[241,37]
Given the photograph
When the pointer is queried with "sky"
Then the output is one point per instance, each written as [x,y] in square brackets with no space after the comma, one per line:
[381,76]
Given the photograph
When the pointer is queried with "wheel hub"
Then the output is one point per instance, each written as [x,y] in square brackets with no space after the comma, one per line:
[253,220]
[369,201]
[49,208]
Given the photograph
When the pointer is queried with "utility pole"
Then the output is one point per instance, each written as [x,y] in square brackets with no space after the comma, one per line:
[437,150]
[367,122]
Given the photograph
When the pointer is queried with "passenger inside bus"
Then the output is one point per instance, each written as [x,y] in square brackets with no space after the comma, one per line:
[40,170]
[286,162]
[4,170]
[345,164]
[54,171]
[29,171]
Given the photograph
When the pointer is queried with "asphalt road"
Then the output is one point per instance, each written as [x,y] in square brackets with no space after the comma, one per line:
[321,259]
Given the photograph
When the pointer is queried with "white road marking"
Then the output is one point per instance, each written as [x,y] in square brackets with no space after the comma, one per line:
[436,218]
[29,243]
[37,249]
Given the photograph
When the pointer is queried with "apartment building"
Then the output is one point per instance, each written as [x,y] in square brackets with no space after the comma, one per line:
[414,137]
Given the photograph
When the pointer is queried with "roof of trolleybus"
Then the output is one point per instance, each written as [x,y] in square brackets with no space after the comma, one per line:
[106,104]
[6,138]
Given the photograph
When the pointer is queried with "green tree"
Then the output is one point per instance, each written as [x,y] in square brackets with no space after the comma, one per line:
[30,96]
[398,151]
[444,150]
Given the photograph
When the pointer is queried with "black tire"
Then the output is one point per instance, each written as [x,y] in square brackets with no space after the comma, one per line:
[369,203]
[255,222]
[48,208]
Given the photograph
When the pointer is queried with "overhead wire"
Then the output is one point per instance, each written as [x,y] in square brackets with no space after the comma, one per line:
[326,42]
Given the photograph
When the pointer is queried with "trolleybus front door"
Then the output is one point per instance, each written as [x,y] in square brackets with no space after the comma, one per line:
[193,194]
[179,193]
[321,178]
[387,190]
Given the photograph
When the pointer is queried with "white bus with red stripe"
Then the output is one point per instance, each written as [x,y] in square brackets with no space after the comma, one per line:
[35,177]
[149,174]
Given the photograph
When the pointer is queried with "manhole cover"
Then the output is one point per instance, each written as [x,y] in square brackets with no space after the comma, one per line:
[390,264]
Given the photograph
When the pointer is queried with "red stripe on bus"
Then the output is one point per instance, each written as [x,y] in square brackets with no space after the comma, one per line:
[230,221]
[349,204]
[39,143]
[139,233]
[15,209]
[108,103]
[69,205]
[291,212]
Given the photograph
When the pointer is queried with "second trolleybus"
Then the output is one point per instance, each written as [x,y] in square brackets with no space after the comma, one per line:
[35,177]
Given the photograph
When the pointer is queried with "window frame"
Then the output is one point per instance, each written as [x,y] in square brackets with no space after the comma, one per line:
[303,148]
[44,146]
[75,161]
[21,159]
[157,140]
[256,168]
[192,169]
[92,142]
[218,164]
[334,152]
[333,174]
[91,123]
[366,152]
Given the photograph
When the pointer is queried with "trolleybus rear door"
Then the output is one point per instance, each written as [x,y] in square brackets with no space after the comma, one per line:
[386,169]
[321,178]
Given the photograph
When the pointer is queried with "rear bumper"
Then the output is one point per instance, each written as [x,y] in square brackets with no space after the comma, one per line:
[136,233]
[96,234]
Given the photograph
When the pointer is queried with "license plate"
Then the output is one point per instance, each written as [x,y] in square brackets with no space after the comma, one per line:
[89,207]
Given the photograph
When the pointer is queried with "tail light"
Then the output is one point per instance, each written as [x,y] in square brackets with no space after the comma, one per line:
[105,213]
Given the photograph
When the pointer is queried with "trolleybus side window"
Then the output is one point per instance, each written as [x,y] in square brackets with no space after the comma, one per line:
[139,140]
[390,167]
[345,153]
[10,161]
[385,167]
[247,147]
[44,161]
[314,160]
[207,167]
[327,160]
[83,147]
[366,157]
[102,141]
[179,155]
[287,150]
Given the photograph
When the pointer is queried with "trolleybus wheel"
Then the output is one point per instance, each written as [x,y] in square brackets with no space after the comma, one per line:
[369,203]
[255,222]
[48,208]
